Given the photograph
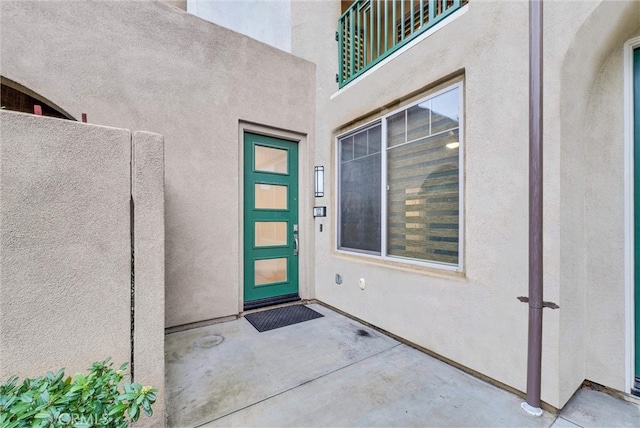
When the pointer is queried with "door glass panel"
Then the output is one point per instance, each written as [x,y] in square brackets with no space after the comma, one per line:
[270,196]
[270,270]
[270,160]
[271,233]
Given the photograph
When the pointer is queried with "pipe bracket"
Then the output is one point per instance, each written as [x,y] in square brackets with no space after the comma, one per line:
[537,305]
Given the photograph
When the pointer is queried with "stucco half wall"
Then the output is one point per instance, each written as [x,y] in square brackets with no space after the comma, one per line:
[65,249]
[148,65]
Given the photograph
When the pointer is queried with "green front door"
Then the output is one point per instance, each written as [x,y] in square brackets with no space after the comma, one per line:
[636,136]
[270,221]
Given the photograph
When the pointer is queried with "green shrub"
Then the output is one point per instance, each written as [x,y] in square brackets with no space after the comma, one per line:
[82,402]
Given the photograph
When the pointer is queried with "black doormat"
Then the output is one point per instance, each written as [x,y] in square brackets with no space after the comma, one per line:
[281,317]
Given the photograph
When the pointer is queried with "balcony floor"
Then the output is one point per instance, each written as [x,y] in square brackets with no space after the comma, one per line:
[334,371]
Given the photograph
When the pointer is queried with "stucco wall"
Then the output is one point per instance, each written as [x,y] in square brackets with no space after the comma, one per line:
[147,194]
[564,199]
[267,20]
[474,318]
[147,65]
[65,249]
[602,136]
[65,242]
[584,142]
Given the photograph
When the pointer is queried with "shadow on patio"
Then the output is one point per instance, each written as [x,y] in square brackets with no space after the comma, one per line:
[334,371]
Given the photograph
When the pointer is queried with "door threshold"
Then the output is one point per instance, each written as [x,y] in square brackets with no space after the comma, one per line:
[635,390]
[270,301]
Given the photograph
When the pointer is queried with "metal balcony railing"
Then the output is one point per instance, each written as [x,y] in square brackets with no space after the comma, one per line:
[371,30]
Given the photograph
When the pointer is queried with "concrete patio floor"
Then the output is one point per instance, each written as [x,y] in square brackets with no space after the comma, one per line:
[336,372]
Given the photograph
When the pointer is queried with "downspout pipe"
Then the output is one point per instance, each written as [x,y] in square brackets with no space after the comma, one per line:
[534,357]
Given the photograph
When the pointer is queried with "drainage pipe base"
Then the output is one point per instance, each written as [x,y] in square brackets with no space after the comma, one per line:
[535,411]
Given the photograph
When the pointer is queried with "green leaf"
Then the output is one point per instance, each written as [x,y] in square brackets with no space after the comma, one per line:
[129,397]
[75,387]
[19,408]
[81,379]
[58,376]
[134,413]
[12,424]
[119,408]
[26,398]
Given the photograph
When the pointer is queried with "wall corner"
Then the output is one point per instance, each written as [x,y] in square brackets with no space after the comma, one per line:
[147,193]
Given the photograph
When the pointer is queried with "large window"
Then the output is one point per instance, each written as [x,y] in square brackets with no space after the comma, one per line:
[400,183]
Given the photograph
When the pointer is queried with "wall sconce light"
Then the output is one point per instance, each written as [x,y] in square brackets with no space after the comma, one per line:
[319,174]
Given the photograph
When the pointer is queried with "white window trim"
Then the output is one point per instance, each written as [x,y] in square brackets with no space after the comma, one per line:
[629,47]
[383,201]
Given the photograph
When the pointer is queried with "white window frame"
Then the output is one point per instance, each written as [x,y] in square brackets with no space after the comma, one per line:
[369,125]
[383,179]
[629,244]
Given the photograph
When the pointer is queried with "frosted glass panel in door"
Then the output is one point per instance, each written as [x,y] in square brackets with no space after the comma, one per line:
[270,196]
[269,159]
[268,271]
[271,233]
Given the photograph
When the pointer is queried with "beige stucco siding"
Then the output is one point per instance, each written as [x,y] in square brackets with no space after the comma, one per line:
[65,245]
[474,318]
[66,236]
[147,65]
[147,193]
[604,214]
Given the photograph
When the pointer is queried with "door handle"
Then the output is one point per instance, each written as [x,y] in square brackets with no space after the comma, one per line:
[296,247]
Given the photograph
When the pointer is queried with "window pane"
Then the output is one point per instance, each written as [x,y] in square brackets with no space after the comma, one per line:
[270,270]
[423,199]
[445,111]
[360,145]
[375,139]
[270,159]
[418,121]
[360,181]
[346,149]
[270,196]
[395,129]
[270,233]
